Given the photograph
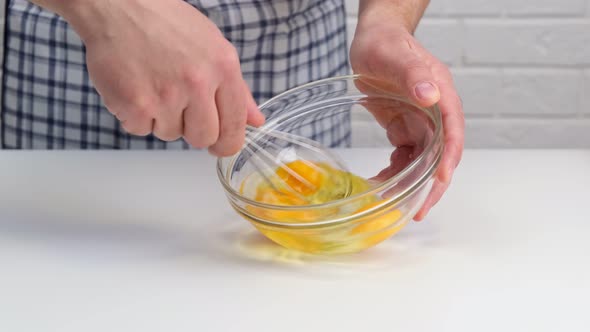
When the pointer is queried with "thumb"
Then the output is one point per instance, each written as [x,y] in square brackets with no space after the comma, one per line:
[426,93]
[416,78]
[254,116]
[405,64]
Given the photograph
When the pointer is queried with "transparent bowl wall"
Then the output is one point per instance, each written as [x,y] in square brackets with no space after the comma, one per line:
[400,145]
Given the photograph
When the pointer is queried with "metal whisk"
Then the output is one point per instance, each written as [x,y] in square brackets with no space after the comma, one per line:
[266,162]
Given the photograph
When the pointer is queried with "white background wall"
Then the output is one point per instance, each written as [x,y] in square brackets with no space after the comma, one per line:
[522,67]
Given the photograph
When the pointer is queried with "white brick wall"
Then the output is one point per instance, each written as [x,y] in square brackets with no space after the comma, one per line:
[522,67]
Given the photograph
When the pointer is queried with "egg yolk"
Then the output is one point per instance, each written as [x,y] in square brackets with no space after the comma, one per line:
[307,183]
[302,176]
[303,183]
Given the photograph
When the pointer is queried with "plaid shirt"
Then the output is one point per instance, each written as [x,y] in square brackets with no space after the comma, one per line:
[48,101]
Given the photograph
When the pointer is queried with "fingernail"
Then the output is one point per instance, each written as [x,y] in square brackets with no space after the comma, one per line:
[419,217]
[426,91]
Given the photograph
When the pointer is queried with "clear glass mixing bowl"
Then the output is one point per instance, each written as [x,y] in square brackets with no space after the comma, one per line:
[396,145]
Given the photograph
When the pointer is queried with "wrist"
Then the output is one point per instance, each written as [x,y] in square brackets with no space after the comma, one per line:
[404,14]
[66,8]
[86,17]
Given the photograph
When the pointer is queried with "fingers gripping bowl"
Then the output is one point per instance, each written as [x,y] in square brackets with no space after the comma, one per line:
[401,145]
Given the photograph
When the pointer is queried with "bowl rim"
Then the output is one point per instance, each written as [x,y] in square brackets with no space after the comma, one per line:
[438,139]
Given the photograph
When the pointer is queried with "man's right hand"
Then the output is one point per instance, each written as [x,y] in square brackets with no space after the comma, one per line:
[162,67]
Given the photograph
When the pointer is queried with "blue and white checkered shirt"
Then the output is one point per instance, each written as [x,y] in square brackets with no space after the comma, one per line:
[48,101]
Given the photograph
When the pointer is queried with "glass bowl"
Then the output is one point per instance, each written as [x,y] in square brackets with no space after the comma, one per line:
[382,137]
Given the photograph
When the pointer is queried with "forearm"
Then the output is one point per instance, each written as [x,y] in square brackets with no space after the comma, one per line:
[64,7]
[405,12]
[87,17]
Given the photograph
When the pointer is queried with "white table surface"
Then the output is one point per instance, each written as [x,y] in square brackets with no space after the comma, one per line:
[145,241]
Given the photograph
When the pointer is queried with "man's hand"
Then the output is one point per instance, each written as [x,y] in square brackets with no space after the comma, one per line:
[162,67]
[384,49]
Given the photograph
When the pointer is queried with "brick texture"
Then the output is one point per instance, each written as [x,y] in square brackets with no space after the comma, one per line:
[585,100]
[549,8]
[480,90]
[517,8]
[469,7]
[538,93]
[527,42]
[443,37]
[527,133]
[522,68]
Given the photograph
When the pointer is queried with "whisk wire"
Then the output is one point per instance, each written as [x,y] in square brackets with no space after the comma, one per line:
[266,163]
[293,139]
[263,168]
